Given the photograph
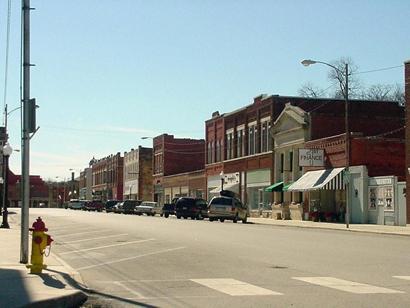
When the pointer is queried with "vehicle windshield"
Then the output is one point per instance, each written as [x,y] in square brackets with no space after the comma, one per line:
[222,201]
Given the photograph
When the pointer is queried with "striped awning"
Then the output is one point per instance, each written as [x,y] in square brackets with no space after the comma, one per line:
[331,179]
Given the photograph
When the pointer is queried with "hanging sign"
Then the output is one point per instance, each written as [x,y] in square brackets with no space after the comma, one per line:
[311,157]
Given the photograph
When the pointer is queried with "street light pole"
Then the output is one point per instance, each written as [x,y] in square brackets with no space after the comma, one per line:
[345,74]
[222,180]
[7,150]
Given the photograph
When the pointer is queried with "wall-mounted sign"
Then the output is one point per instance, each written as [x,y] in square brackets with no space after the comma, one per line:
[311,157]
[232,178]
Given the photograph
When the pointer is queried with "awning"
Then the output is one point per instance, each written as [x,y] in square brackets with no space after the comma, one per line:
[286,187]
[275,187]
[231,187]
[320,179]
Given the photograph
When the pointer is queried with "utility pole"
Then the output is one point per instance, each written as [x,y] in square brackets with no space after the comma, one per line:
[25,135]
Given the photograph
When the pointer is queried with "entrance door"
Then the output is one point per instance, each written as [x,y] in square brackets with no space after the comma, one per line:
[261,200]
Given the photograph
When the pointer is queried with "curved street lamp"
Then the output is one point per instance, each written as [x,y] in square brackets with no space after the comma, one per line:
[7,150]
[344,87]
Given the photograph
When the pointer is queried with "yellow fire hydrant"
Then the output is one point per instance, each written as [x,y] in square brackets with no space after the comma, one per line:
[40,240]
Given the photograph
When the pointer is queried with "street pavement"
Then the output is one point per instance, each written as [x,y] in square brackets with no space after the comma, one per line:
[58,286]
[127,260]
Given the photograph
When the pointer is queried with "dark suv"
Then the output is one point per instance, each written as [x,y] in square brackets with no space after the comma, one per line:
[169,208]
[195,208]
[109,205]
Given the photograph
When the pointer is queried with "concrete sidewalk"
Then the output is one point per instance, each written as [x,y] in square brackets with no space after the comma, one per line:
[367,228]
[55,287]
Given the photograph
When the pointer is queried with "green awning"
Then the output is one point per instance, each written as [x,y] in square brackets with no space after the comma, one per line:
[285,188]
[275,187]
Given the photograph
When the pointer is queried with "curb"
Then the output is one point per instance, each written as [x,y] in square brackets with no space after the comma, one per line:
[76,299]
[334,229]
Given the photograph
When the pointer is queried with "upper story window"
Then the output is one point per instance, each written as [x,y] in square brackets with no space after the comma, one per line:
[240,135]
[218,150]
[158,168]
[252,132]
[229,144]
[290,161]
[266,140]
[209,156]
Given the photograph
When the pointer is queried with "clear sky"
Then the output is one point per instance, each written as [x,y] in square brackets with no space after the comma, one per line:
[111,71]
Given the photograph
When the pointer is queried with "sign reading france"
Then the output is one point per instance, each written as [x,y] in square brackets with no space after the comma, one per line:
[311,157]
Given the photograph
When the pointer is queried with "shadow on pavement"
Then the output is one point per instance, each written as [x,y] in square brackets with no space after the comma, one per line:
[84,289]
[51,281]
[13,291]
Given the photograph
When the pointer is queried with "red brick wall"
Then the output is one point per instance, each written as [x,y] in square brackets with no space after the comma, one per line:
[407,97]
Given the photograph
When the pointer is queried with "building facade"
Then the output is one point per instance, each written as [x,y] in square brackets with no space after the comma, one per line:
[107,175]
[138,174]
[239,143]
[188,184]
[173,156]
[85,184]
[407,104]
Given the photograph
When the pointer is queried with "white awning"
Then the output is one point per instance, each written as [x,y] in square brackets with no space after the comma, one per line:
[231,187]
[320,179]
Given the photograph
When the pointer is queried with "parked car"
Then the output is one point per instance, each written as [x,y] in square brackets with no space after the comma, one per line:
[117,208]
[109,205]
[148,208]
[94,205]
[227,207]
[76,204]
[196,208]
[169,208]
[127,206]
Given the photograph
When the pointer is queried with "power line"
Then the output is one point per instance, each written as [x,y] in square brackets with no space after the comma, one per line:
[379,69]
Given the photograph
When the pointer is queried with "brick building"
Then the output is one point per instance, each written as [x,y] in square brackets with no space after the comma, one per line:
[407,104]
[39,191]
[173,156]
[138,174]
[239,143]
[107,175]
[85,184]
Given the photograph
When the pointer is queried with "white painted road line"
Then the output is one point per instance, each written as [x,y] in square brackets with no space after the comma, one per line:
[234,287]
[346,285]
[129,258]
[402,277]
[139,295]
[80,233]
[95,238]
[105,246]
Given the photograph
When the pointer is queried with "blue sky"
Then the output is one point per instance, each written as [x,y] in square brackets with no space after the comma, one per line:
[109,72]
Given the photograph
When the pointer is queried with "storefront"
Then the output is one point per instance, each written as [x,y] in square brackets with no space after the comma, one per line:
[326,194]
[256,182]
[231,181]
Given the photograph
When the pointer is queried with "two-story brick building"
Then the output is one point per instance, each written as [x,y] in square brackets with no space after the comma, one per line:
[239,143]
[107,174]
[173,156]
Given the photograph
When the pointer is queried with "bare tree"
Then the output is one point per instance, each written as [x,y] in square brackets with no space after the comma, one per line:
[340,78]
[377,92]
[310,90]
[398,94]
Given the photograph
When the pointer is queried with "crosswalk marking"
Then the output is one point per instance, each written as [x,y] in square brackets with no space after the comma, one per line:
[346,285]
[234,287]
[402,277]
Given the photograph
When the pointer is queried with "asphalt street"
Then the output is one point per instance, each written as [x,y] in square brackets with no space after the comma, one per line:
[129,260]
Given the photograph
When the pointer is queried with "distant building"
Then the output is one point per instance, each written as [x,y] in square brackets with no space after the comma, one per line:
[86,182]
[39,191]
[107,175]
[138,174]
[174,156]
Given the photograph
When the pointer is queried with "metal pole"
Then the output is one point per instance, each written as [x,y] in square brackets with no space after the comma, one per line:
[347,144]
[5,223]
[25,159]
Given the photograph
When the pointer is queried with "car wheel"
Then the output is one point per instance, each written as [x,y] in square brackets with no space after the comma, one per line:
[161,215]
[221,220]
[235,219]
[179,217]
[211,219]
[185,217]
[166,215]
[245,219]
